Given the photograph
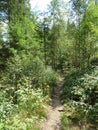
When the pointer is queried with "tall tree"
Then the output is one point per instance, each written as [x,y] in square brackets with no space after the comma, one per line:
[57,32]
[82,46]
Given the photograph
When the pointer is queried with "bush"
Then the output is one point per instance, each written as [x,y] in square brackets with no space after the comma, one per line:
[94,61]
[24,97]
[51,78]
[83,96]
[65,122]
[26,114]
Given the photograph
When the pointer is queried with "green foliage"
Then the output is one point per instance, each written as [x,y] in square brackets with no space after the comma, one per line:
[83,32]
[94,61]
[82,97]
[65,122]
[32,101]
[51,78]
[24,97]
[30,109]
[30,53]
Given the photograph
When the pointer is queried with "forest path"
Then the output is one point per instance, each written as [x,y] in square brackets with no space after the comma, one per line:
[55,110]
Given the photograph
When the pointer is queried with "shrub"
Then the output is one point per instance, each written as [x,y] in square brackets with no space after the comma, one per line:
[24,96]
[65,122]
[83,96]
[51,78]
[26,114]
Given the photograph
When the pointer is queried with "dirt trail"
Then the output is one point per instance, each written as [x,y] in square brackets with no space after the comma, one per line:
[54,111]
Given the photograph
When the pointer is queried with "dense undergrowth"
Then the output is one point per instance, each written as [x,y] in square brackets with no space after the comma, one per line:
[80,97]
[33,45]
[25,91]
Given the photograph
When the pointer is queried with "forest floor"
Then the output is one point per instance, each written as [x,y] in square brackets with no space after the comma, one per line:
[55,110]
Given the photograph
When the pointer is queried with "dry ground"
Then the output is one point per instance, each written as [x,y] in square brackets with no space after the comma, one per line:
[54,111]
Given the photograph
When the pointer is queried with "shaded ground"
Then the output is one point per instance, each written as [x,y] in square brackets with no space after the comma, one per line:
[54,111]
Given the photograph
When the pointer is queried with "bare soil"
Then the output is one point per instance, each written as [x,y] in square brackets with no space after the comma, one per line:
[55,110]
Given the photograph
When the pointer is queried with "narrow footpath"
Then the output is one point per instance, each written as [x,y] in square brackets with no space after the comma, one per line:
[55,110]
